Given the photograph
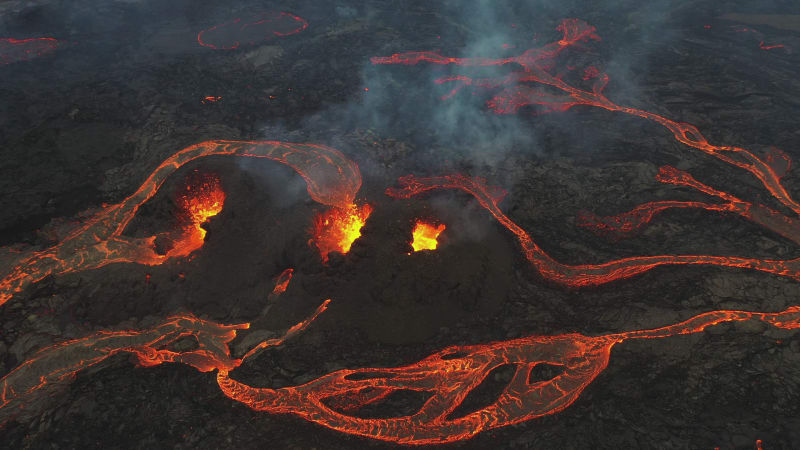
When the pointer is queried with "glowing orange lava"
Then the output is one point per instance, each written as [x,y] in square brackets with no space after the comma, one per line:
[202,199]
[447,376]
[335,230]
[517,93]
[518,90]
[333,400]
[262,27]
[331,179]
[425,235]
[14,50]
[282,282]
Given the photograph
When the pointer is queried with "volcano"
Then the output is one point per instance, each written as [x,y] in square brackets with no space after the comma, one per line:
[381,224]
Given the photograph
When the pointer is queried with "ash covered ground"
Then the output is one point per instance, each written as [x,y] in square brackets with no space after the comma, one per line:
[129,85]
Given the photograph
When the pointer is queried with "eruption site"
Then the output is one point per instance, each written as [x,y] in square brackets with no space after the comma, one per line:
[201,199]
[336,229]
[14,50]
[518,93]
[425,235]
[249,31]
[356,398]
[331,179]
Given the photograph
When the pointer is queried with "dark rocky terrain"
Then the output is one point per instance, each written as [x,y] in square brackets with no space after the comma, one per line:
[86,124]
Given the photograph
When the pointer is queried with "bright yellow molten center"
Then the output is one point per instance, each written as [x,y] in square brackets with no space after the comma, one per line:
[425,236]
[338,228]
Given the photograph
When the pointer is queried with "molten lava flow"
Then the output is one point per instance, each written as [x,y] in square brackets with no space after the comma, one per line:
[448,376]
[763,46]
[282,283]
[335,230]
[525,88]
[201,199]
[14,50]
[535,64]
[331,179]
[425,235]
[589,274]
[621,225]
[59,363]
[760,36]
[231,35]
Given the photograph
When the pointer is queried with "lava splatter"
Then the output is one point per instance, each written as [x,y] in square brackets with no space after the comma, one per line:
[336,229]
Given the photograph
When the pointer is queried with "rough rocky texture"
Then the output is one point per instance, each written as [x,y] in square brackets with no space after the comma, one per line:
[85,125]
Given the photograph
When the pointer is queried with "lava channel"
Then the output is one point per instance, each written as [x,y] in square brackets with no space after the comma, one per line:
[201,199]
[263,27]
[15,50]
[586,274]
[526,88]
[331,179]
[333,400]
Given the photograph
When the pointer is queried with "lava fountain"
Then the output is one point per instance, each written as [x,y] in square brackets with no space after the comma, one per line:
[331,179]
[335,230]
[201,199]
[425,236]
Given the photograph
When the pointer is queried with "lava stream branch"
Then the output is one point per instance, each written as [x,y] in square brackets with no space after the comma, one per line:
[534,63]
[331,178]
[620,225]
[448,375]
[452,373]
[585,274]
[59,363]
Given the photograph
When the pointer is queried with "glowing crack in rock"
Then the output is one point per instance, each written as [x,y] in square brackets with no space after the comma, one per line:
[331,179]
[14,50]
[424,236]
[448,376]
[260,28]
